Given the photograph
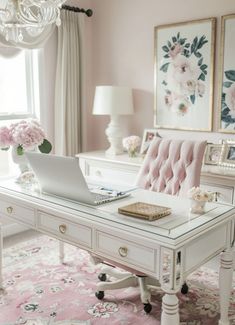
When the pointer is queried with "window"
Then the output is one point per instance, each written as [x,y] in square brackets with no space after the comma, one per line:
[19,91]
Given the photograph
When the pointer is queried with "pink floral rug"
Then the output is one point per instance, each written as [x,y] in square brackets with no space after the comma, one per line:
[41,291]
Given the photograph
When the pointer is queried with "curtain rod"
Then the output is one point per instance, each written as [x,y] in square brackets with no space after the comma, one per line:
[88,12]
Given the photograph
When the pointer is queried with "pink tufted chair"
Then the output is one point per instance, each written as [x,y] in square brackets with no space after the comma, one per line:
[172,167]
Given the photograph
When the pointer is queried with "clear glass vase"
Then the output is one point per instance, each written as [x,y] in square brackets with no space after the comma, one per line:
[132,153]
[20,160]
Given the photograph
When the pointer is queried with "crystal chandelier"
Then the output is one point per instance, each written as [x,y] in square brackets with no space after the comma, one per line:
[20,19]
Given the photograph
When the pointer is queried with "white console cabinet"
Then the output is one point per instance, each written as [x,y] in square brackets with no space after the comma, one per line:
[123,169]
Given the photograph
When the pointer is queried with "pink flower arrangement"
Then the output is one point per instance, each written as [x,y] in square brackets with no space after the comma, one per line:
[131,144]
[197,194]
[26,134]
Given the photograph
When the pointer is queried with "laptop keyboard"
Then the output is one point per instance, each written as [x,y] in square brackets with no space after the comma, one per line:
[100,197]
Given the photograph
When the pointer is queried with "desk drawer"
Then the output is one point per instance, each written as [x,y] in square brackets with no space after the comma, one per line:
[106,171]
[126,252]
[72,232]
[17,212]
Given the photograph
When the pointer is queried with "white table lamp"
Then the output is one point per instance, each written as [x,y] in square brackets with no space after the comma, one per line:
[113,101]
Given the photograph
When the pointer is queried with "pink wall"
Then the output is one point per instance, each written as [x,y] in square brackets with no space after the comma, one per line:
[120,47]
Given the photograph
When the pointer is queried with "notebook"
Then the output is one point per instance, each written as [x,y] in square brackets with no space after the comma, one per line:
[61,176]
[144,210]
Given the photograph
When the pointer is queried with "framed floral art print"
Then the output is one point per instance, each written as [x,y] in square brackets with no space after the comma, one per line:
[184,68]
[227,90]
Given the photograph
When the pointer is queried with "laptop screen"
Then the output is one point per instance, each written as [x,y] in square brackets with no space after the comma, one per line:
[61,176]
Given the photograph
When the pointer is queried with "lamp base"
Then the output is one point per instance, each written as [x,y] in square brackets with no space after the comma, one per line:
[114,134]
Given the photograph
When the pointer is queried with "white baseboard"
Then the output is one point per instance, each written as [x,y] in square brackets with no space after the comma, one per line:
[12,229]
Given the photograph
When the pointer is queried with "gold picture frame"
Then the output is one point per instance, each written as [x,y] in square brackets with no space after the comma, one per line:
[148,136]
[213,154]
[184,74]
[227,75]
[228,154]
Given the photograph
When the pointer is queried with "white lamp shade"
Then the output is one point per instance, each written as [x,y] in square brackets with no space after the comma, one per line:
[113,100]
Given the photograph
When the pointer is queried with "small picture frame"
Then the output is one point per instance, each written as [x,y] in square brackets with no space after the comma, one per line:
[148,136]
[213,154]
[228,154]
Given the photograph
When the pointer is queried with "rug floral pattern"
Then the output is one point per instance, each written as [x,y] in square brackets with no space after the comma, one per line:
[41,291]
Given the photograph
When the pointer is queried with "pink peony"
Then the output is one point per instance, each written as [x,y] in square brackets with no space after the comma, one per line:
[198,194]
[27,134]
[189,87]
[5,137]
[131,143]
[182,74]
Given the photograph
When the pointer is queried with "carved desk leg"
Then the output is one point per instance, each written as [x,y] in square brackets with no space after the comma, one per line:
[170,309]
[225,284]
[171,281]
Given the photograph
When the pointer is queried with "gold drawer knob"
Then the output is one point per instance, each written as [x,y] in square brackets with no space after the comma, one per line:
[122,251]
[9,210]
[62,229]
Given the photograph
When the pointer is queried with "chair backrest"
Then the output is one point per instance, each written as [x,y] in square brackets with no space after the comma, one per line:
[172,166]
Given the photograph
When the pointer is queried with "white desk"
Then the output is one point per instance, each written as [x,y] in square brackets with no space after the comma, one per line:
[168,249]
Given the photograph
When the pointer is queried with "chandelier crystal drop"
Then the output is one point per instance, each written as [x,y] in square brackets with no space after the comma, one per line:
[22,18]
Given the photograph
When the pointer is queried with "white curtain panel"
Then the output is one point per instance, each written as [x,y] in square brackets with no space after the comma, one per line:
[69,86]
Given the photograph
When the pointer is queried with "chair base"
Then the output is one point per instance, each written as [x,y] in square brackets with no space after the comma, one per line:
[111,279]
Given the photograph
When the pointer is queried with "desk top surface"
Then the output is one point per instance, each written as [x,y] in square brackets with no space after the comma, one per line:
[179,225]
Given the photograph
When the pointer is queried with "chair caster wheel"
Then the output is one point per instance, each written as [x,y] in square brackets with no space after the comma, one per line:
[102,277]
[99,295]
[147,308]
[184,289]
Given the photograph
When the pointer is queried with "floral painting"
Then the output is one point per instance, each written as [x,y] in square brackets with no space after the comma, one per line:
[227,116]
[184,57]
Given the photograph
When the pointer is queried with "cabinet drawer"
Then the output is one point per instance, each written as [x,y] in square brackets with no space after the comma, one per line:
[225,193]
[107,171]
[17,212]
[126,252]
[75,233]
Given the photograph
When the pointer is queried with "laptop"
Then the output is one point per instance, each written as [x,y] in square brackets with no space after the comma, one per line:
[61,176]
